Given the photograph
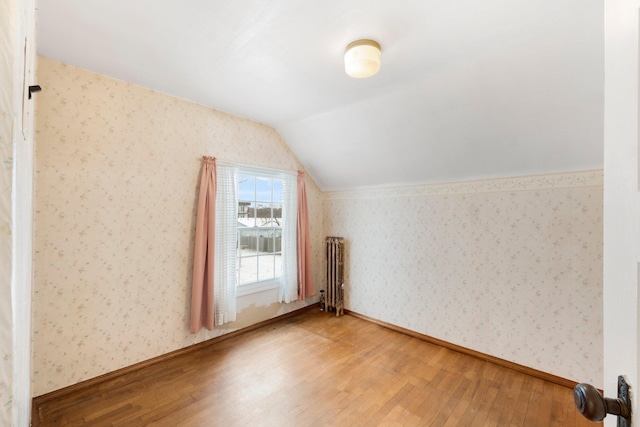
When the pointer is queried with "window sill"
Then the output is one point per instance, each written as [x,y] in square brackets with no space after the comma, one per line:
[253,288]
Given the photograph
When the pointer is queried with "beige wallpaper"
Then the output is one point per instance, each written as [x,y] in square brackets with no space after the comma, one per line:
[117,170]
[507,267]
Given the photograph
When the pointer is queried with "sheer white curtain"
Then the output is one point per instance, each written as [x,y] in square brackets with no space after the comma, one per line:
[288,290]
[226,245]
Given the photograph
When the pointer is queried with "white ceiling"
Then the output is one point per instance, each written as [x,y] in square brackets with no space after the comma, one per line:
[467,89]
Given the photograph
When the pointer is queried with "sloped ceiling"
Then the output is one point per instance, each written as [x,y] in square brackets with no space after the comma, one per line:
[467,89]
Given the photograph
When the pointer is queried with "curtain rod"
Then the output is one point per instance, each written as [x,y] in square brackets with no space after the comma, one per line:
[266,169]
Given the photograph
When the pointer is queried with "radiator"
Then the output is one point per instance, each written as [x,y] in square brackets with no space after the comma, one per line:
[334,293]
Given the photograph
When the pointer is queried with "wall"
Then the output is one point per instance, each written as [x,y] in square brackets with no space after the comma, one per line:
[622,201]
[117,174]
[17,56]
[507,267]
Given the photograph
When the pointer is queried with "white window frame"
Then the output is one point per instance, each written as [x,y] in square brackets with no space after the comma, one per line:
[264,285]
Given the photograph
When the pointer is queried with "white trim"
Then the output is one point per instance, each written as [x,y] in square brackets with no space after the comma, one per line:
[255,287]
[580,179]
[258,170]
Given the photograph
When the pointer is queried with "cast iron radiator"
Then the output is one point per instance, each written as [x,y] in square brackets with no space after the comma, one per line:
[334,298]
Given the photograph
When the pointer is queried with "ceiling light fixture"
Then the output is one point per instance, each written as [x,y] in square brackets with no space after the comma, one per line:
[362,58]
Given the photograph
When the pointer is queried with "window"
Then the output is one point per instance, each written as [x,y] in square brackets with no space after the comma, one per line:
[256,223]
[260,221]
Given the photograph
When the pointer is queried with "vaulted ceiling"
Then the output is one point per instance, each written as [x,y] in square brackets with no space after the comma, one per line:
[467,89]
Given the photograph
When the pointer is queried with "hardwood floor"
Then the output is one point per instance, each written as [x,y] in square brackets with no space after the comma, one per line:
[314,369]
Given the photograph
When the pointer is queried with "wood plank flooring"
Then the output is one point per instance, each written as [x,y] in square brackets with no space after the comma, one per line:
[314,369]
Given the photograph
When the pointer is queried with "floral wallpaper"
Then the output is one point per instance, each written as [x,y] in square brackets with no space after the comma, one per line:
[507,267]
[117,175]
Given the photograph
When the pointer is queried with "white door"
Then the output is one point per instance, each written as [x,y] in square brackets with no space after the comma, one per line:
[621,200]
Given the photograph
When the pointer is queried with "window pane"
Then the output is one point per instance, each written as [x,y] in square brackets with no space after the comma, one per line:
[265,241]
[277,215]
[263,214]
[246,214]
[277,246]
[263,186]
[268,262]
[247,242]
[247,270]
[277,190]
[246,187]
[247,256]
[266,268]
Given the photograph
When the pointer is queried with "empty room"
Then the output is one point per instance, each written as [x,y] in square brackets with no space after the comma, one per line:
[319,213]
